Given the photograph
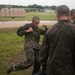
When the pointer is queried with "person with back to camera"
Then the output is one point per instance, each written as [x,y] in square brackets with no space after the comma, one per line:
[58,48]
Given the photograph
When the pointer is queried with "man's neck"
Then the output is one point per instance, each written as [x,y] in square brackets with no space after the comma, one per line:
[64,18]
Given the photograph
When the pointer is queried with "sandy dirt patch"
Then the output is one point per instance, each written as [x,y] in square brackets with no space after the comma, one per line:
[8,24]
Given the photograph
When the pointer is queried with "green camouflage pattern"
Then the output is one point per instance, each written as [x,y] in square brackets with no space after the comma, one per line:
[31,38]
[74,22]
[58,49]
[31,46]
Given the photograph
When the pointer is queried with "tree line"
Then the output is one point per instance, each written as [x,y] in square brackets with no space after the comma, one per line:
[53,7]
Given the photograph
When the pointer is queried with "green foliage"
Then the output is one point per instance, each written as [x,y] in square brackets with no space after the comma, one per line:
[53,7]
[10,45]
[32,6]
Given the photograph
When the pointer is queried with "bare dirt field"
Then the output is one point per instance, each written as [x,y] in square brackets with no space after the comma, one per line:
[8,24]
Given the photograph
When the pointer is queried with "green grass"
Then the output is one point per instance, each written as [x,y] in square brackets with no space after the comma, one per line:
[11,45]
[29,15]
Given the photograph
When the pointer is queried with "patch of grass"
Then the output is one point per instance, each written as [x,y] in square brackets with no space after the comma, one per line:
[10,45]
[9,41]
[29,15]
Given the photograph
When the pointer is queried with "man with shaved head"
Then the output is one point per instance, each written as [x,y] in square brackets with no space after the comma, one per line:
[72,16]
[32,47]
[57,56]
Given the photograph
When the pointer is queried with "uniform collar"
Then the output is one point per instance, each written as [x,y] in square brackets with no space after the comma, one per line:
[63,20]
[33,26]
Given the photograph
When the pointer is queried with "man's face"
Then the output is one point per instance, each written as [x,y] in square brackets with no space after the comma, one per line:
[36,22]
[73,16]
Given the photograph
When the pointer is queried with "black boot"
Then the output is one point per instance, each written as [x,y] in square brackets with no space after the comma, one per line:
[9,69]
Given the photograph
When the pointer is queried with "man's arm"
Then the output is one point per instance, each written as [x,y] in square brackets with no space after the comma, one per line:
[24,29]
[42,31]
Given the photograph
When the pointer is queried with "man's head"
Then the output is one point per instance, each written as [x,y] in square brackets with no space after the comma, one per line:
[35,21]
[72,14]
[63,12]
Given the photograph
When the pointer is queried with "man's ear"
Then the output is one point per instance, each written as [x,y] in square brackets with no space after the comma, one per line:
[57,14]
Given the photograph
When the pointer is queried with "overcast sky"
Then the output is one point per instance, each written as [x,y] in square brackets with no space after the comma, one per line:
[69,3]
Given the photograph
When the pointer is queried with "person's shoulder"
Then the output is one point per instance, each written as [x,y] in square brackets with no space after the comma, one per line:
[26,25]
[72,26]
[74,22]
[51,28]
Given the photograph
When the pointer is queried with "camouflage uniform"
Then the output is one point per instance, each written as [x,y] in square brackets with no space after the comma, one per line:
[58,49]
[31,46]
[74,22]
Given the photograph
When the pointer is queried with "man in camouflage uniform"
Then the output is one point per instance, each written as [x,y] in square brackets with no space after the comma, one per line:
[32,47]
[58,48]
[72,16]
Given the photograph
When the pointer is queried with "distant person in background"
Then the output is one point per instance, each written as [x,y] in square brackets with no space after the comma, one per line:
[57,56]
[72,16]
[31,46]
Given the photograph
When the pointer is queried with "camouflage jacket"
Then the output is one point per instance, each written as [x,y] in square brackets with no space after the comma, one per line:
[74,22]
[31,38]
[58,49]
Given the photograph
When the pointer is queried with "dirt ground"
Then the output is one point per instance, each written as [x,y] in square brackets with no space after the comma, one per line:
[8,24]
[18,59]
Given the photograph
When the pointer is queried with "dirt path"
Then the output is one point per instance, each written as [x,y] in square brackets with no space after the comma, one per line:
[18,59]
[8,24]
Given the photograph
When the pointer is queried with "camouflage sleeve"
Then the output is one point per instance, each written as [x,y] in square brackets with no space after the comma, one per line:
[74,22]
[44,52]
[42,31]
[21,30]
[73,31]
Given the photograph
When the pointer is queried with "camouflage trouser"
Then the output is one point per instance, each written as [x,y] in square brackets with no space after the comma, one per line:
[32,59]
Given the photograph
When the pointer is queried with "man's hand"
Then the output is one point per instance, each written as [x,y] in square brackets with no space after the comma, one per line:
[29,30]
[45,26]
